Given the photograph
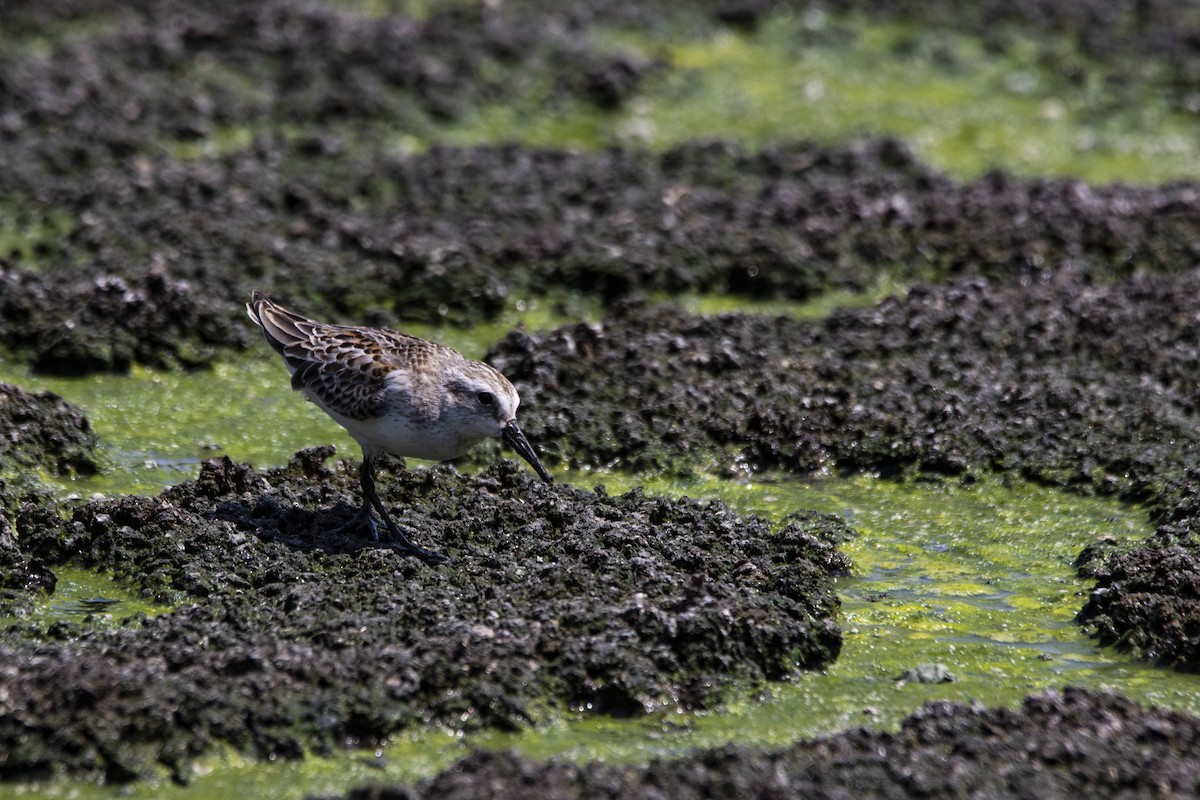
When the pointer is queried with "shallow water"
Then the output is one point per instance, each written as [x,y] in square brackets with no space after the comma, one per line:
[88,598]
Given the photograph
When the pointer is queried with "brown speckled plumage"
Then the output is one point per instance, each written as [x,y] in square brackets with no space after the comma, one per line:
[394,393]
[344,367]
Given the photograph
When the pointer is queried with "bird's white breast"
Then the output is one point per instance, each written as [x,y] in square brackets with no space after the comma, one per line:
[407,428]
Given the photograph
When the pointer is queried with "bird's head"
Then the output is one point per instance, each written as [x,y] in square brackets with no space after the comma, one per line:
[486,404]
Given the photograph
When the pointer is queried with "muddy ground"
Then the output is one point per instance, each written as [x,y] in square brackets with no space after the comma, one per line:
[1087,385]
[291,635]
[173,247]
[43,431]
[1050,332]
[1074,744]
[91,167]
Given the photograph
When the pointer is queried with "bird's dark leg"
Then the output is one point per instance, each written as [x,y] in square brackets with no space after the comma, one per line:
[399,540]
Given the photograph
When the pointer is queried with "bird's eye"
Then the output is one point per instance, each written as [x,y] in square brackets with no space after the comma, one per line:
[485,398]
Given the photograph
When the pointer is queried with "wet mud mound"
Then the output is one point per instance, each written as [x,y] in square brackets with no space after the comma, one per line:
[1074,744]
[21,577]
[39,433]
[1090,386]
[44,431]
[292,637]
[1147,601]
[1069,382]
[174,248]
[67,323]
[1147,598]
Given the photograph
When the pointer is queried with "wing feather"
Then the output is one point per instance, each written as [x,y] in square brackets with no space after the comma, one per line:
[345,369]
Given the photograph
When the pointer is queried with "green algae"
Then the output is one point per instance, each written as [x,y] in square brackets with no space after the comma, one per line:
[817,307]
[231,774]
[156,427]
[962,107]
[88,599]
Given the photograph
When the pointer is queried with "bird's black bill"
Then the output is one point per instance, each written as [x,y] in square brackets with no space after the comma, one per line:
[513,435]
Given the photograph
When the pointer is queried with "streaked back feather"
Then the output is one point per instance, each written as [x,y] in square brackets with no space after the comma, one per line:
[344,368]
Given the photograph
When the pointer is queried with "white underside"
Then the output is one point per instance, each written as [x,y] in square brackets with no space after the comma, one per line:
[396,435]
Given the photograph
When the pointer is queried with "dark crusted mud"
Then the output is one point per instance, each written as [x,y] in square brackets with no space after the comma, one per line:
[1072,745]
[1091,386]
[37,432]
[1068,382]
[453,233]
[43,431]
[290,637]
[21,577]
[1147,600]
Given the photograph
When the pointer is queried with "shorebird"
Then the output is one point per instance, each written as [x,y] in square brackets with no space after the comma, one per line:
[396,394]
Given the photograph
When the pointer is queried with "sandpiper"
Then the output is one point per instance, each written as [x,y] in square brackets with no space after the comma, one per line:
[395,394]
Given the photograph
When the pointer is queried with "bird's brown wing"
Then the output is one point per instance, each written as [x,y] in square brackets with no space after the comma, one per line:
[346,369]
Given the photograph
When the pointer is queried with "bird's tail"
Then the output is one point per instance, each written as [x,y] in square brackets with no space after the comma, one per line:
[281,327]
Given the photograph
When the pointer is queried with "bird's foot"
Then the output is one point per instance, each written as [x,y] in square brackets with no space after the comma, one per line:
[428,556]
[395,538]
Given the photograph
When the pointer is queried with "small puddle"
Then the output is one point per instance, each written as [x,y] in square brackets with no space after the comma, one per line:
[85,597]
